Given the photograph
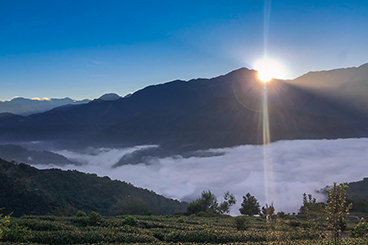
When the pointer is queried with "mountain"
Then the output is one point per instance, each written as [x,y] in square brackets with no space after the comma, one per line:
[9,118]
[358,189]
[332,79]
[348,84]
[23,106]
[201,113]
[110,97]
[357,193]
[19,154]
[26,190]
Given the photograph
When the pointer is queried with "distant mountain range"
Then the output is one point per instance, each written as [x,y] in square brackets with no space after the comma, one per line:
[24,106]
[26,190]
[206,113]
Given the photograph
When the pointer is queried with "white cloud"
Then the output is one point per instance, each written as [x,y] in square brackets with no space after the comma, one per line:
[298,166]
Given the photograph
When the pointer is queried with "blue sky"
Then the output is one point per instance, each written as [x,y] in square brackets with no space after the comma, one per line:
[83,49]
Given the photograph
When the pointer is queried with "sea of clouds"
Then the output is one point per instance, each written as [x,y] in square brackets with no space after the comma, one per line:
[298,166]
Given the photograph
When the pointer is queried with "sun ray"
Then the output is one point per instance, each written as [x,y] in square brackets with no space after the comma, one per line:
[267,158]
[267,69]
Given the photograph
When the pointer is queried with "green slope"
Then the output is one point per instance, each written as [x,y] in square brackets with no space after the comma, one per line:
[357,193]
[27,190]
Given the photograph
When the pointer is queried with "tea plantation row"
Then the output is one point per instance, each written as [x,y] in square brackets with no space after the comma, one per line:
[94,229]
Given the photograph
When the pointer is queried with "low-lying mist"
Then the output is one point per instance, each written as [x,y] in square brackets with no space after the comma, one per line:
[298,166]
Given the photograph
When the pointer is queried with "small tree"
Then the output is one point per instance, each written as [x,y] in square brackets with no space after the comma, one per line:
[229,201]
[206,203]
[250,205]
[268,210]
[209,201]
[336,209]
[311,209]
[195,206]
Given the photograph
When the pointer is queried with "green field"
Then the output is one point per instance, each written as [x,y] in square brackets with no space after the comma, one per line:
[221,229]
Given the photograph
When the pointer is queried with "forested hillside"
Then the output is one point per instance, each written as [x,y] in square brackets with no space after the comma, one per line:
[27,190]
[357,193]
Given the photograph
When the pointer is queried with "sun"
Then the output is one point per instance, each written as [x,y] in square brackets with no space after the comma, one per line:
[268,69]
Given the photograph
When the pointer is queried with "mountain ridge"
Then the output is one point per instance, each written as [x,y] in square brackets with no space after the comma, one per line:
[15,153]
[25,107]
[329,79]
[216,112]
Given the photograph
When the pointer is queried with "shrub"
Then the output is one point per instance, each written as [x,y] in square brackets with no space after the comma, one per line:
[17,233]
[360,230]
[294,223]
[4,224]
[131,220]
[81,214]
[281,215]
[13,232]
[241,223]
[94,218]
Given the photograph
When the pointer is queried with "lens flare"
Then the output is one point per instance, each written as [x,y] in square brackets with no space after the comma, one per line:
[268,68]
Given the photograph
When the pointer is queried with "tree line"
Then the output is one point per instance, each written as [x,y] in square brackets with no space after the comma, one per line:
[208,204]
[334,211]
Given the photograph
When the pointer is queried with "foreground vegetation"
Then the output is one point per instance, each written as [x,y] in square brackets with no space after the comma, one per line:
[194,229]
[205,220]
[204,223]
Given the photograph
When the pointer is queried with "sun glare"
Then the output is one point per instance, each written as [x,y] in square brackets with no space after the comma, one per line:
[269,69]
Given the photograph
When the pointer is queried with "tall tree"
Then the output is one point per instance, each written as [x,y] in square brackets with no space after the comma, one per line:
[337,209]
[250,205]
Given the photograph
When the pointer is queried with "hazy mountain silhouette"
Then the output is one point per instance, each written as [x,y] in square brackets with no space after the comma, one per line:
[19,154]
[200,113]
[24,106]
